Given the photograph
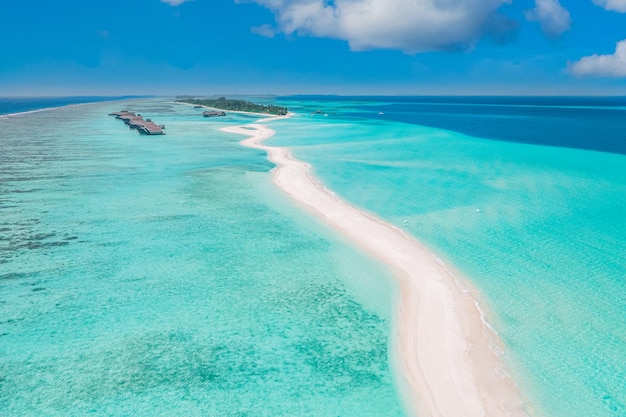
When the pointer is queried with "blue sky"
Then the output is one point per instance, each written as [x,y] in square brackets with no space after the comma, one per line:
[543,47]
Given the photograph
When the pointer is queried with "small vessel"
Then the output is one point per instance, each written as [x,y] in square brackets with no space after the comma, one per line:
[380,113]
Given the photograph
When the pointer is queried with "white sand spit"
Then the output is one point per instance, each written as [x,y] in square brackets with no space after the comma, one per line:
[444,348]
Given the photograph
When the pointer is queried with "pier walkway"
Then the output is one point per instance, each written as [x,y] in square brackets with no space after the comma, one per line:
[136,121]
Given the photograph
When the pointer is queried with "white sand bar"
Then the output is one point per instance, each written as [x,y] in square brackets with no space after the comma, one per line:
[445,350]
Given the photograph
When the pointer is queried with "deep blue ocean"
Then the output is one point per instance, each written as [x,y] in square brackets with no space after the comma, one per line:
[593,123]
[9,105]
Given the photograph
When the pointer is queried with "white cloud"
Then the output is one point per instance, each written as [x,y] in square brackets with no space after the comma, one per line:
[602,65]
[553,18]
[263,30]
[409,25]
[175,2]
[614,5]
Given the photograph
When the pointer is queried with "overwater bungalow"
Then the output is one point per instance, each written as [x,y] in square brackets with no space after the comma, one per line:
[213,113]
[137,122]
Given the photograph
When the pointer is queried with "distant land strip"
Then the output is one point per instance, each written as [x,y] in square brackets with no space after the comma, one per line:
[223,103]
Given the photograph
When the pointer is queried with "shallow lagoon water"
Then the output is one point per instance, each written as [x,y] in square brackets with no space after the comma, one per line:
[540,230]
[152,276]
[166,275]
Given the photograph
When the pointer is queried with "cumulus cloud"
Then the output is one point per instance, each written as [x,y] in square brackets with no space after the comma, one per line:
[174,2]
[613,5]
[409,25]
[602,65]
[553,18]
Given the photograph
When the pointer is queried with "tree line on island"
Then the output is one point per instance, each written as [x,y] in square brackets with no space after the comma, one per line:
[224,103]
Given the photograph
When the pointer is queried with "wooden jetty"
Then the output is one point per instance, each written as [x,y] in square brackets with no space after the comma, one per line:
[136,121]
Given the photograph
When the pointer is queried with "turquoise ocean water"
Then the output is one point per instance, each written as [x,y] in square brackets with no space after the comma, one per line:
[540,230]
[160,275]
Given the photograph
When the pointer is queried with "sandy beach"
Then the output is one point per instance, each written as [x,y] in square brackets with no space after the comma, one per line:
[445,350]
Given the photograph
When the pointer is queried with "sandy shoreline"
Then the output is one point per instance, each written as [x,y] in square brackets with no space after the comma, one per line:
[442,342]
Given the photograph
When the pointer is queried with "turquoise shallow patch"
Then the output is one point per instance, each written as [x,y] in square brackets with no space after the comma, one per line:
[540,230]
[167,276]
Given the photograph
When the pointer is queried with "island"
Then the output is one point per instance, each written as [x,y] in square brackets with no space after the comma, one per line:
[223,103]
